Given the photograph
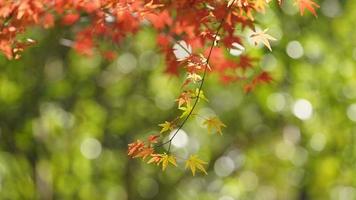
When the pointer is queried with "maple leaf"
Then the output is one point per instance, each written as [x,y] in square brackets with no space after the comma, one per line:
[214,123]
[156,158]
[195,163]
[48,20]
[194,77]
[182,50]
[70,19]
[236,49]
[184,98]
[260,5]
[166,126]
[151,5]
[144,153]
[197,62]
[263,77]
[153,138]
[166,159]
[307,4]
[246,62]
[159,21]
[262,37]
[186,110]
[230,2]
[200,94]
[135,147]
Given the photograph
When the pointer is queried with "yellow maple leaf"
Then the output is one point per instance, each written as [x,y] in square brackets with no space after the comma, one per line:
[214,123]
[262,37]
[166,159]
[186,111]
[260,5]
[194,163]
[166,126]
[200,94]
[193,77]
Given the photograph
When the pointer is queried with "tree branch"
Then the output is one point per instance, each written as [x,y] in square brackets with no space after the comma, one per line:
[202,81]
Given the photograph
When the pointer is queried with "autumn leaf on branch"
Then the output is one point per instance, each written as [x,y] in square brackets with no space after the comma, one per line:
[135,147]
[166,126]
[70,19]
[184,98]
[307,4]
[182,50]
[260,5]
[193,77]
[144,153]
[155,158]
[168,159]
[263,77]
[186,111]
[214,123]
[200,95]
[262,37]
[153,139]
[194,163]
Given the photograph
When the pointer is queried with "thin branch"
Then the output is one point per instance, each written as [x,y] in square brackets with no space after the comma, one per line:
[202,81]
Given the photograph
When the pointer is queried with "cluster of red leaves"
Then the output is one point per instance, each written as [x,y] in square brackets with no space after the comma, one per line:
[193,21]
[112,19]
[140,149]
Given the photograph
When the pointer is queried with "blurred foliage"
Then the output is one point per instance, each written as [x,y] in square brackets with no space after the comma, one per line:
[66,120]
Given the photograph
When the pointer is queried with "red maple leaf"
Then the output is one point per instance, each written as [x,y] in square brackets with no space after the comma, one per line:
[70,19]
[307,4]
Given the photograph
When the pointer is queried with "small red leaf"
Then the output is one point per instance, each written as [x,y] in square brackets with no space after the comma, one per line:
[70,19]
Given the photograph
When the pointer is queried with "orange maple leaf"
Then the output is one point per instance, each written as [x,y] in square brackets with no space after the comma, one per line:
[156,158]
[307,4]
[135,148]
[144,153]
[153,138]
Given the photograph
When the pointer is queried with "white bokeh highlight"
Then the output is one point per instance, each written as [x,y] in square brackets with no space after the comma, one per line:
[295,49]
[90,148]
[224,166]
[126,63]
[226,198]
[303,109]
[291,134]
[351,112]
[148,188]
[181,138]
[331,8]
[249,179]
[317,142]
[276,102]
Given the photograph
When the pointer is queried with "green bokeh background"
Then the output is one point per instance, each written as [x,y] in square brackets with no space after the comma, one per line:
[66,120]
